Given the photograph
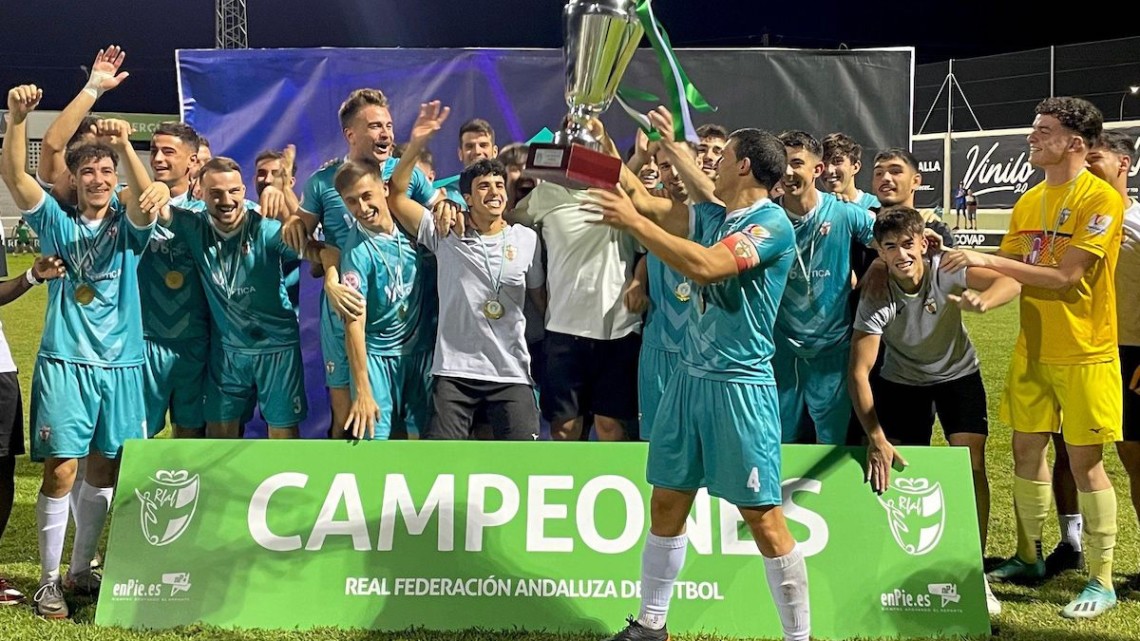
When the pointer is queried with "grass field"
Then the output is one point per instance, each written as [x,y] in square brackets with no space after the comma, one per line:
[1029,614]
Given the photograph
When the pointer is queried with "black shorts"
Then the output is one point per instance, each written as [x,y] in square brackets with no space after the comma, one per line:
[1129,361]
[459,404]
[590,376]
[904,410]
[11,416]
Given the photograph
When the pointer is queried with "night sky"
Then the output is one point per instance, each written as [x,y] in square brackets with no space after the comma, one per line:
[46,41]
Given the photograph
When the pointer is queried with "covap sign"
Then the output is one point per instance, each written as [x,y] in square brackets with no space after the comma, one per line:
[456,535]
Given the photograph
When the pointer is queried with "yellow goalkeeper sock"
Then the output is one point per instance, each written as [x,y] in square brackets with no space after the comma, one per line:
[1099,512]
[1031,500]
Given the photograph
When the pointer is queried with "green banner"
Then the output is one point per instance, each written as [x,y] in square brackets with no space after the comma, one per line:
[142,125]
[454,535]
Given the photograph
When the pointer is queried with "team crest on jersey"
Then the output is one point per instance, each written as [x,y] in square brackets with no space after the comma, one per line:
[825,228]
[744,251]
[1099,223]
[1064,216]
[916,513]
[167,507]
[352,280]
[510,252]
[930,306]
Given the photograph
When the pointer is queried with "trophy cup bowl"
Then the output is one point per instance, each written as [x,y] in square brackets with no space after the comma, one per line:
[600,38]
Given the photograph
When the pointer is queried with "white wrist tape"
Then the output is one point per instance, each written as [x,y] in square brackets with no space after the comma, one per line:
[94,85]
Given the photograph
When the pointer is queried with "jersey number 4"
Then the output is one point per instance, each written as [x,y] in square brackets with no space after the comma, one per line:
[753,480]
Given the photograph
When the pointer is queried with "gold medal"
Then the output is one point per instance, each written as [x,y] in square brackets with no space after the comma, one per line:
[174,279]
[683,291]
[84,294]
[493,309]
[402,311]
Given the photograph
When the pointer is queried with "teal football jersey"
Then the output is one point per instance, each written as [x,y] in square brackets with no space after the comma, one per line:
[173,300]
[386,270]
[102,261]
[814,314]
[670,299]
[730,332]
[243,275]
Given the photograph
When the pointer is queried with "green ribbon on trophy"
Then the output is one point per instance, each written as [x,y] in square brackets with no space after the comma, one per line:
[677,83]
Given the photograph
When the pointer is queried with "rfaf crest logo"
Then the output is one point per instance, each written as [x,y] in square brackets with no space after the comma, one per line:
[168,506]
[916,513]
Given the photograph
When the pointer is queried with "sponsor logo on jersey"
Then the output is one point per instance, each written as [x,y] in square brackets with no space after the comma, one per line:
[1099,224]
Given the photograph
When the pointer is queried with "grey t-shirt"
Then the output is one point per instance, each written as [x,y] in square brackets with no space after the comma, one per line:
[468,344]
[925,340]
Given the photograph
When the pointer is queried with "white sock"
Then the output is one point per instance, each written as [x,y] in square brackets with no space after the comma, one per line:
[51,527]
[661,562]
[787,579]
[80,475]
[1071,526]
[94,504]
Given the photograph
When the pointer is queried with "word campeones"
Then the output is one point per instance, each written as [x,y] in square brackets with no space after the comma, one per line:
[494,501]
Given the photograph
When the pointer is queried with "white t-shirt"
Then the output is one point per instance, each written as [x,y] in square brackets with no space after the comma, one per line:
[6,362]
[587,264]
[1128,278]
[468,343]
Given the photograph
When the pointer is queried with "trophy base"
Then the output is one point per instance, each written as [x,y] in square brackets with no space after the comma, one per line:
[574,166]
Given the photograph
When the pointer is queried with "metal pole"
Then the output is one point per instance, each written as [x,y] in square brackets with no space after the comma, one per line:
[950,99]
[1052,69]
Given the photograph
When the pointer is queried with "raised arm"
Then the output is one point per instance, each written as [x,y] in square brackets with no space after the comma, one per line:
[666,212]
[105,76]
[278,201]
[703,265]
[699,186]
[669,214]
[407,211]
[143,209]
[25,190]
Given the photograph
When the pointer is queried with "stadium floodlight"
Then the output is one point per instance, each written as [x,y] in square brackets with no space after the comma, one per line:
[1132,91]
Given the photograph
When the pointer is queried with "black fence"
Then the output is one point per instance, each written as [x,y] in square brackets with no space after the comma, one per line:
[1002,90]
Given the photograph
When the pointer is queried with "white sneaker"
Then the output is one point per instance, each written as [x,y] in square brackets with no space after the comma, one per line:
[992,603]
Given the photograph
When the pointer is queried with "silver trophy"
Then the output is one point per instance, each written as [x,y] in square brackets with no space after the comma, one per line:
[600,38]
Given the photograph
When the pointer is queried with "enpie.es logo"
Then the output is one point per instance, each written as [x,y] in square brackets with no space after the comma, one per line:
[167,505]
[937,597]
[916,513]
[174,586]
